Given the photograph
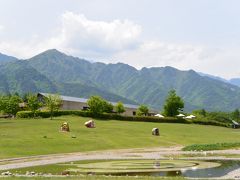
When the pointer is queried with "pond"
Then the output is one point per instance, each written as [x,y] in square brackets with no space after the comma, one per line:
[186,168]
[139,167]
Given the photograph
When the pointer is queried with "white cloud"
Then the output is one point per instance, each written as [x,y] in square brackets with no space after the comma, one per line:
[81,34]
[154,53]
[120,41]
[221,62]
[1,27]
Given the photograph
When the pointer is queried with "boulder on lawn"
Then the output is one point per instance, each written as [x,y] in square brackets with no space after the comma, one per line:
[155,131]
[90,124]
[65,127]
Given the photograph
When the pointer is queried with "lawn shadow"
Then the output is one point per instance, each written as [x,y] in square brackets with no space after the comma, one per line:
[5,122]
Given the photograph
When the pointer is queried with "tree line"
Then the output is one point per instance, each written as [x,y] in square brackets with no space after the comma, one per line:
[11,104]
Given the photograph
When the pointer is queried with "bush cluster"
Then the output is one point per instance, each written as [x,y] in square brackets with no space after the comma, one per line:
[108,116]
[46,114]
[208,122]
[208,147]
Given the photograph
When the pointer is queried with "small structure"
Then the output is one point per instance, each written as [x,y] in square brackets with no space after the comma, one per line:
[65,127]
[235,125]
[190,117]
[159,115]
[180,115]
[90,124]
[155,131]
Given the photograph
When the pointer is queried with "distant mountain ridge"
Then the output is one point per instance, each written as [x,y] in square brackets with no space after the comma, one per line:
[233,81]
[53,71]
[5,58]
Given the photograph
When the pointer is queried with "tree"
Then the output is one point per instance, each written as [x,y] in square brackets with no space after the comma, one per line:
[142,110]
[33,103]
[173,104]
[95,104]
[11,104]
[53,103]
[25,96]
[3,101]
[107,107]
[236,114]
[119,108]
[98,105]
[201,112]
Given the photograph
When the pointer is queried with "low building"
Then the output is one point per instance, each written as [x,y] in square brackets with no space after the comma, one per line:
[74,103]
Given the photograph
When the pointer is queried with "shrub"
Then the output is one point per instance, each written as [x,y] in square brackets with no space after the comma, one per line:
[208,122]
[208,147]
[107,116]
[46,114]
[24,114]
[30,114]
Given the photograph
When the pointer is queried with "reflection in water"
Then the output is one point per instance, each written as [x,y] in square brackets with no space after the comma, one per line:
[156,165]
[226,167]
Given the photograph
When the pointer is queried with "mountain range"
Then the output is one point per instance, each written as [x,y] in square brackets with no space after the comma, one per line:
[233,81]
[55,72]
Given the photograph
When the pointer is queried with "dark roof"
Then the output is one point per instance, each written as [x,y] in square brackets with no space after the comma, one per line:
[83,100]
[68,98]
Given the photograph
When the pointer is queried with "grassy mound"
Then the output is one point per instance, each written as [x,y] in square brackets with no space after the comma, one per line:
[25,137]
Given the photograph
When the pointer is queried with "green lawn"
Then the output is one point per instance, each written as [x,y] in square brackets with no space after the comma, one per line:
[24,137]
[94,178]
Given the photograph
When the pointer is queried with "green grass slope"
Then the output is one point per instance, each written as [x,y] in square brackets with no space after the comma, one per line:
[117,82]
[24,137]
[146,86]
[20,77]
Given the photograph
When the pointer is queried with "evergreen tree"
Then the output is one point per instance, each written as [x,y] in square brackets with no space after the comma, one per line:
[173,104]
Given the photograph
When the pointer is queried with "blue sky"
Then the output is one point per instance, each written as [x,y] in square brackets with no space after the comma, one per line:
[203,35]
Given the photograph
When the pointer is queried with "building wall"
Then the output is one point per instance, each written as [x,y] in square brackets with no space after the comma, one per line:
[72,105]
[129,112]
[68,105]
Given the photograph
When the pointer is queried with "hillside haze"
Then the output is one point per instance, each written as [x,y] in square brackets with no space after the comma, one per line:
[5,58]
[53,71]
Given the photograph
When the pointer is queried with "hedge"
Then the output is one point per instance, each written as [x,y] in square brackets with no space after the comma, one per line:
[208,122]
[46,114]
[106,116]
[209,147]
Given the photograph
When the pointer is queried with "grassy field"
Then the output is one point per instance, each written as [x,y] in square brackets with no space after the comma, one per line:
[94,178]
[24,137]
